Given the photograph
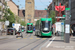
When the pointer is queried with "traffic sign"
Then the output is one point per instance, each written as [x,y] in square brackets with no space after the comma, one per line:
[13,24]
[64,15]
[60,17]
[67,26]
[62,23]
[67,8]
[6,23]
[45,8]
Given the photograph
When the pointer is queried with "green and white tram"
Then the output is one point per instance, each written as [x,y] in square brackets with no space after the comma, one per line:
[44,27]
[29,28]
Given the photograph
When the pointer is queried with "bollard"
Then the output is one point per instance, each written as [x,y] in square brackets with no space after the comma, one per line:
[13,32]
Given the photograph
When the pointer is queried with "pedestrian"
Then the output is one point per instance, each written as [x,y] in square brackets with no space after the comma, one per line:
[55,33]
[58,33]
[20,32]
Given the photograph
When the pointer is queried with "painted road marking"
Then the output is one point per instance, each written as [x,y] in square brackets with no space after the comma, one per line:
[50,42]
[37,38]
[25,38]
[43,38]
[18,38]
[45,44]
[31,38]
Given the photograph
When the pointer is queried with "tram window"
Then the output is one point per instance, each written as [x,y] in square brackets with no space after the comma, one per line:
[45,25]
[29,27]
[74,28]
[29,2]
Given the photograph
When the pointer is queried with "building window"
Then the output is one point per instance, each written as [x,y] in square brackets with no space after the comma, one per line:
[0,0]
[29,15]
[29,2]
[29,20]
[40,13]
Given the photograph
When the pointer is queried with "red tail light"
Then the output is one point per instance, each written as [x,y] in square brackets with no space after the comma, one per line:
[12,30]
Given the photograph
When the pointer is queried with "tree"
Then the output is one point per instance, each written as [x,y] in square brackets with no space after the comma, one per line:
[12,18]
[37,22]
[18,20]
[9,16]
[22,23]
[52,15]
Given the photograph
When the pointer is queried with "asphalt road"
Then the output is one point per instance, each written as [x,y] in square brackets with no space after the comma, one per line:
[28,42]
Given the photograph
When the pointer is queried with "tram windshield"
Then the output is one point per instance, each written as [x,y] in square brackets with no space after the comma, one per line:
[29,27]
[45,26]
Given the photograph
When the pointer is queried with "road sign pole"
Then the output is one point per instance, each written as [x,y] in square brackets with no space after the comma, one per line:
[62,33]
[6,31]
[67,26]
[7,24]
[13,32]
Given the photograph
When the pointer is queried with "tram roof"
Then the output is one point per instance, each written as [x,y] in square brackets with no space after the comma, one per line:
[46,19]
[29,23]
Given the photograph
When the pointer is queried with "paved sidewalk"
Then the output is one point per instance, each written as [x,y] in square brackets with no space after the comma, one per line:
[7,37]
[59,44]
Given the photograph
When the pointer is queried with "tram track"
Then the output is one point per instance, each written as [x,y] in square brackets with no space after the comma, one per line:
[29,44]
[34,42]
[7,40]
[39,44]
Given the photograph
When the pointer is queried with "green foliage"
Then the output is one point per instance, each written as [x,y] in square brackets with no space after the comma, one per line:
[12,18]
[52,15]
[17,19]
[1,20]
[37,22]
[9,16]
[22,23]
[0,8]
[5,3]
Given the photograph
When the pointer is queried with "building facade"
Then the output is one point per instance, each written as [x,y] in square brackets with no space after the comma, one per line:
[2,7]
[13,7]
[72,12]
[29,11]
[37,14]
[49,7]
[56,2]
[22,14]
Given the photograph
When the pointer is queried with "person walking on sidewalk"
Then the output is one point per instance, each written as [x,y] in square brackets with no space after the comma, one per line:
[58,33]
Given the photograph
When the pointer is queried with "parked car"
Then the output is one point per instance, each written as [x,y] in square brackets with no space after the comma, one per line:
[10,31]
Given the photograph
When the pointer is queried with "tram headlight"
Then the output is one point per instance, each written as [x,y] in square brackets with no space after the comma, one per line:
[45,28]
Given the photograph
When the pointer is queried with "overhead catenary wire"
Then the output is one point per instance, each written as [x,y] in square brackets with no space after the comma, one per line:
[43,3]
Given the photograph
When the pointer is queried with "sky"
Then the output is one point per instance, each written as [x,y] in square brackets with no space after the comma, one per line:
[39,4]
